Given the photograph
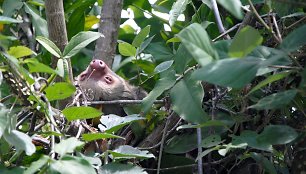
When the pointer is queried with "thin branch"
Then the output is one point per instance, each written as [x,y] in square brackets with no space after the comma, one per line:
[218,19]
[122,102]
[295,23]
[227,31]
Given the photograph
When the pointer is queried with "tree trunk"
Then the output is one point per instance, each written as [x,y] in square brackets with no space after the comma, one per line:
[109,25]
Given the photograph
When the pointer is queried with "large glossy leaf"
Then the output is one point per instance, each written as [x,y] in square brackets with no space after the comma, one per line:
[67,146]
[80,41]
[166,81]
[233,6]
[141,36]
[295,39]
[129,152]
[112,123]
[8,20]
[72,165]
[277,134]
[126,49]
[50,46]
[198,44]
[40,24]
[117,168]
[60,90]
[276,100]
[186,97]
[20,140]
[83,112]
[177,9]
[20,51]
[233,73]
[244,42]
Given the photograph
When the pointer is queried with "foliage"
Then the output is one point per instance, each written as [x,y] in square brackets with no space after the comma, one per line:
[245,95]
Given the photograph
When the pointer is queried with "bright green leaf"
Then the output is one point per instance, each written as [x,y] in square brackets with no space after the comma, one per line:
[35,66]
[198,44]
[83,112]
[244,42]
[141,36]
[20,51]
[80,41]
[186,97]
[90,21]
[60,90]
[126,49]
[276,100]
[21,141]
[67,146]
[49,45]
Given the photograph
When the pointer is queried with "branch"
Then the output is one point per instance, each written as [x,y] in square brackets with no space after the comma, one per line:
[121,102]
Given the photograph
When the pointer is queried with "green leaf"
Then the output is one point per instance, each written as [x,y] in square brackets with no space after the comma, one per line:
[60,67]
[83,112]
[117,168]
[181,144]
[76,22]
[8,20]
[21,141]
[126,49]
[276,100]
[40,24]
[112,123]
[159,51]
[98,136]
[208,123]
[166,81]
[163,66]
[277,134]
[141,36]
[67,146]
[9,7]
[233,73]
[20,51]
[4,119]
[198,44]
[129,152]
[37,165]
[71,165]
[177,8]
[211,141]
[294,40]
[59,91]
[250,138]
[181,59]
[49,46]
[233,6]
[264,162]
[186,97]
[35,66]
[79,41]
[245,42]
[270,79]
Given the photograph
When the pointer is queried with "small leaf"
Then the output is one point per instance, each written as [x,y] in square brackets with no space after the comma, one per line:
[59,91]
[141,36]
[20,51]
[270,79]
[80,41]
[177,8]
[8,20]
[98,136]
[245,42]
[117,168]
[277,134]
[21,141]
[112,123]
[233,6]
[163,66]
[75,113]
[233,73]
[126,49]
[166,81]
[198,44]
[50,46]
[35,66]
[294,40]
[276,100]
[129,152]
[186,97]
[67,146]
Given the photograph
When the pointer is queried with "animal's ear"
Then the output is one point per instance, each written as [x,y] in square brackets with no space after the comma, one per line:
[140,93]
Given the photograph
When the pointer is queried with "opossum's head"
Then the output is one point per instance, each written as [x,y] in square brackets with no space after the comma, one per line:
[100,83]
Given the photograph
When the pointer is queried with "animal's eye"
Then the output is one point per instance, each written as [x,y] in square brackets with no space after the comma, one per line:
[82,77]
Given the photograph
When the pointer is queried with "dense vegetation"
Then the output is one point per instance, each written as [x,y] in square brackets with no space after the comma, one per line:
[228,81]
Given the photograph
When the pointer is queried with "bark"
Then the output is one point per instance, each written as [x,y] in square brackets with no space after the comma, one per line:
[57,33]
[109,25]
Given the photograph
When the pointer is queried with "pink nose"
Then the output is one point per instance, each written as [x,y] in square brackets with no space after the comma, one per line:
[97,64]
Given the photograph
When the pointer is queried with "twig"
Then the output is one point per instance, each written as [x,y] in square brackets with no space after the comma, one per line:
[122,102]
[258,16]
[295,23]
[277,28]
[227,31]
[199,140]
[218,19]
